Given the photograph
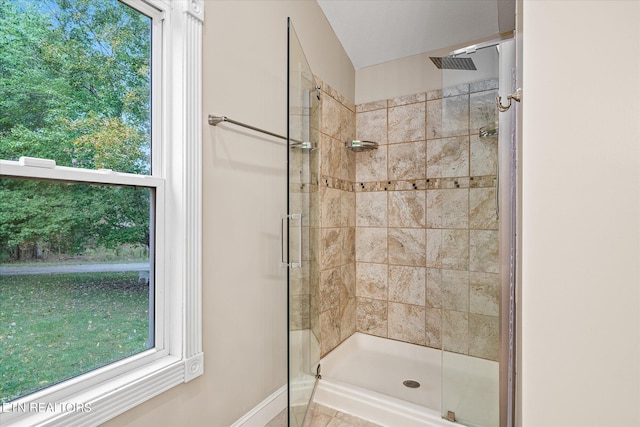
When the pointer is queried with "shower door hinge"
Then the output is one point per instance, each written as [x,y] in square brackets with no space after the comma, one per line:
[515,96]
[318,376]
[318,92]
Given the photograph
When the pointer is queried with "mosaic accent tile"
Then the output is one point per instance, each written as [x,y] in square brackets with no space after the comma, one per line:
[448,208]
[484,155]
[407,246]
[455,290]
[372,280]
[407,123]
[482,181]
[372,126]
[407,284]
[407,161]
[483,251]
[407,323]
[482,209]
[434,119]
[455,331]
[407,99]
[407,208]
[484,336]
[371,245]
[372,316]
[448,157]
[433,327]
[371,209]
[455,116]
[484,293]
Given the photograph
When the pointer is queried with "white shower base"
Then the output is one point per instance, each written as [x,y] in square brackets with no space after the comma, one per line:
[363,376]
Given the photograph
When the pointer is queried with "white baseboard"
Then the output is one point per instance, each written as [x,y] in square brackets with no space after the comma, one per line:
[265,411]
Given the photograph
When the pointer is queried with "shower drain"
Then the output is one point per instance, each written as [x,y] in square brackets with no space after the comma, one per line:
[411,383]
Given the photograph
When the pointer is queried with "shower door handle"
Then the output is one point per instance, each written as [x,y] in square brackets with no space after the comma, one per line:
[283,261]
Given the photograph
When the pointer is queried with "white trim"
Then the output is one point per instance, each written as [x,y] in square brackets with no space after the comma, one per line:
[180,358]
[265,411]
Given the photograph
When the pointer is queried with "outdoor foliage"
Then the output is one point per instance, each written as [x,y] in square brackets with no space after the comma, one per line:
[74,87]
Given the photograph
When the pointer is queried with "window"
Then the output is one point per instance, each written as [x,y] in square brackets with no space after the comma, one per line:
[88,145]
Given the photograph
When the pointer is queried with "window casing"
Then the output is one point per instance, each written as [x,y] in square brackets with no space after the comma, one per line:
[101,394]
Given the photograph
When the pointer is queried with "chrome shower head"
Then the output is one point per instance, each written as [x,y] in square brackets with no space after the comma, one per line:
[357,145]
[453,63]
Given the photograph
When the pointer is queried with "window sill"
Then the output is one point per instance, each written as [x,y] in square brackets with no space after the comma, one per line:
[107,400]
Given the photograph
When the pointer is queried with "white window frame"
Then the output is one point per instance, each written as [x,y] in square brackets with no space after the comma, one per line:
[177,357]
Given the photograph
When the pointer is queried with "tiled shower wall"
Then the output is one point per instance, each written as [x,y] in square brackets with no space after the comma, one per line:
[334,231]
[426,228]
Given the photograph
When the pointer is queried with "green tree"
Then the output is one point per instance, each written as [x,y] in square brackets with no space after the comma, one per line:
[74,87]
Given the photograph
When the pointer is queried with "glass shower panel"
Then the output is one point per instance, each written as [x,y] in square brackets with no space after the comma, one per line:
[465,193]
[303,119]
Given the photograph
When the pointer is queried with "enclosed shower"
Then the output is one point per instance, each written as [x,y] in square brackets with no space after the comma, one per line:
[398,231]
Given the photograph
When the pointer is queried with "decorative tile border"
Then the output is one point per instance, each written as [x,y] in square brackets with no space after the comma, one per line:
[488,181]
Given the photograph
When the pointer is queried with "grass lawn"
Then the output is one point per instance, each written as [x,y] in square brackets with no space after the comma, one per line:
[57,326]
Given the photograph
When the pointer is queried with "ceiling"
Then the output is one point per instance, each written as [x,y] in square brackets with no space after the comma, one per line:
[377,31]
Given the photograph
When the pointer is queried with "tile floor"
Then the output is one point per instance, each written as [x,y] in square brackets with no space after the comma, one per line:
[322,416]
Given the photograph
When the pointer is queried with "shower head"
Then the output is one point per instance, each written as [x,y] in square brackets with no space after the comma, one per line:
[489,130]
[452,63]
[357,145]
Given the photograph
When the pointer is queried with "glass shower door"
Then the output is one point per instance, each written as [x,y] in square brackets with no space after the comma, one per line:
[304,348]
[472,246]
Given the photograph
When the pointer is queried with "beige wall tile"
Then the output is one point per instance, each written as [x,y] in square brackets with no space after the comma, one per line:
[483,251]
[407,284]
[407,160]
[371,209]
[484,336]
[434,119]
[299,312]
[482,209]
[433,327]
[448,157]
[371,165]
[372,280]
[407,247]
[371,316]
[348,245]
[330,207]
[448,249]
[455,331]
[329,330]
[455,290]
[407,123]
[348,164]
[375,105]
[407,323]
[482,110]
[407,99]
[330,156]
[330,286]
[371,244]
[348,208]
[484,293]
[407,208]
[372,126]
[348,309]
[484,155]
[331,247]
[348,272]
[455,116]
[434,288]
[448,208]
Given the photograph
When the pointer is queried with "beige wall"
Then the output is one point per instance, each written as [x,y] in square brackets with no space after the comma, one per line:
[244,193]
[581,211]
